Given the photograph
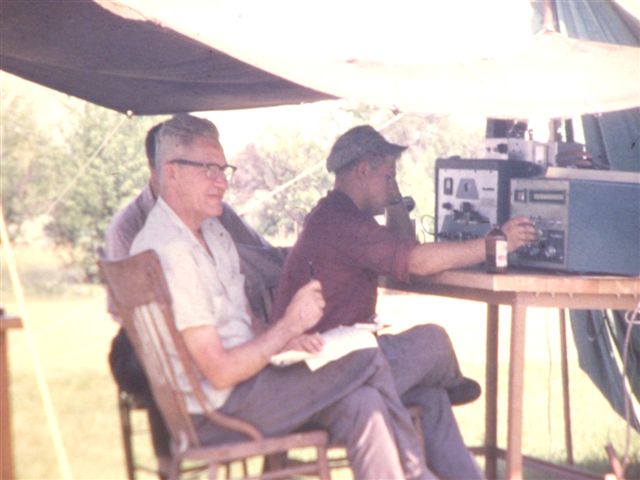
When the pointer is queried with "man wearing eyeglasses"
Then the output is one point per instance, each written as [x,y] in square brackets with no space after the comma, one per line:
[261,264]
[354,398]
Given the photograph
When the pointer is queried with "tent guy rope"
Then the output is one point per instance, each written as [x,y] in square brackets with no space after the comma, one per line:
[256,203]
[83,167]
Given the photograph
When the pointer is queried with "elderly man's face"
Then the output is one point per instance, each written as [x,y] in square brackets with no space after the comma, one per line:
[200,189]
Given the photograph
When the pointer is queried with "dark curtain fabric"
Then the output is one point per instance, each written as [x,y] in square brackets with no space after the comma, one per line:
[131,63]
[614,141]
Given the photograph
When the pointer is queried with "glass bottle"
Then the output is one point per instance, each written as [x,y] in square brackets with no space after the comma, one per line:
[497,259]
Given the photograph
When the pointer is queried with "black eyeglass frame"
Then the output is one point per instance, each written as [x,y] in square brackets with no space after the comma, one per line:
[213,169]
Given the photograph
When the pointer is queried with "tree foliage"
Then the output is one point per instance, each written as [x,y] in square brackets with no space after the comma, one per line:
[266,167]
[28,163]
[101,166]
[83,183]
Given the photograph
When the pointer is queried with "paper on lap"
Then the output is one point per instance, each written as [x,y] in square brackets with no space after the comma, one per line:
[338,342]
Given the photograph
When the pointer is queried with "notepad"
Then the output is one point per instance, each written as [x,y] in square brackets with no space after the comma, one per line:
[338,342]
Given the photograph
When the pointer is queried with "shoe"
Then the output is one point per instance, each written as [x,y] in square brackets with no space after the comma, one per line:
[466,392]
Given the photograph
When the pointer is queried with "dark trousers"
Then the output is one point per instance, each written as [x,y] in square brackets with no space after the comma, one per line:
[130,377]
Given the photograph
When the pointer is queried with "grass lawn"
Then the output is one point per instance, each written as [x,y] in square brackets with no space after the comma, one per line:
[72,335]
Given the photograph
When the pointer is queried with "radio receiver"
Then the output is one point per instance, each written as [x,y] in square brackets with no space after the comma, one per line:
[471,194]
[587,221]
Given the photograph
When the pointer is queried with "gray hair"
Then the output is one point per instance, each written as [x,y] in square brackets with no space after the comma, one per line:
[181,130]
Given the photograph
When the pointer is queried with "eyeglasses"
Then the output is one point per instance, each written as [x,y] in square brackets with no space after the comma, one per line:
[213,170]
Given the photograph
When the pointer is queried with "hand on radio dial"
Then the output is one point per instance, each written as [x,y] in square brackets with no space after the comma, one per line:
[519,231]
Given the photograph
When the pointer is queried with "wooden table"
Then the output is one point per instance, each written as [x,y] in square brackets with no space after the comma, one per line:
[521,289]
[6,455]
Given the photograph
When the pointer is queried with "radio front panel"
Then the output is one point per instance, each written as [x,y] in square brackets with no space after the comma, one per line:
[582,226]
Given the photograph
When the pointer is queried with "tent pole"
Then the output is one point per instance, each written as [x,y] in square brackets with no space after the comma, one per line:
[54,428]
[550,17]
[551,25]
[566,400]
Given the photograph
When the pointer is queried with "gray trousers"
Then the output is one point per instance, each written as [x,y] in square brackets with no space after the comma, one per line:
[353,398]
[423,363]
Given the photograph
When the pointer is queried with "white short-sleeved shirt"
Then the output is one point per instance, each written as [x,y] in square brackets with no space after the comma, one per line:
[205,289]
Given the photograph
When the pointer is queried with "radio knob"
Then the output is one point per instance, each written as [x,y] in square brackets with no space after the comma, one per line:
[550,251]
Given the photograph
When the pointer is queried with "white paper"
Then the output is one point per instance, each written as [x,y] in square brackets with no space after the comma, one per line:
[338,342]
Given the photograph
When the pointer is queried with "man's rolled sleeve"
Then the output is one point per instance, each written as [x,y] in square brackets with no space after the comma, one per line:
[377,248]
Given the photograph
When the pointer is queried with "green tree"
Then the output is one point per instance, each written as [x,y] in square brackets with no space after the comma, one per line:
[267,166]
[28,163]
[93,187]
[264,168]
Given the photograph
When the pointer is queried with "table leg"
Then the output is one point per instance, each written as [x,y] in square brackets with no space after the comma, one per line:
[6,460]
[516,388]
[491,393]
[566,400]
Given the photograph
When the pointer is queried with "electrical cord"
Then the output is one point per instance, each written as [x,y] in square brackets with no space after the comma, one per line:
[632,317]
[427,230]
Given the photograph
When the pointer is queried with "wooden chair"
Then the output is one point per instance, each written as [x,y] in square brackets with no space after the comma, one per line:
[131,406]
[127,405]
[143,301]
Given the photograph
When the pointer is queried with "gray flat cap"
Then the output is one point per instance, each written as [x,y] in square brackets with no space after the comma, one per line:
[357,143]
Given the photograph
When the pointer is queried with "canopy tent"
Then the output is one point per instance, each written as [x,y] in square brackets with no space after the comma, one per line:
[130,65]
[152,57]
[612,137]
[149,57]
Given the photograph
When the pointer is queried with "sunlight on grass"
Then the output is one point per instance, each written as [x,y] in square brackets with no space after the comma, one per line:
[73,334]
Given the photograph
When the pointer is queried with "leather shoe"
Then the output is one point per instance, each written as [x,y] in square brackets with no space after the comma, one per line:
[465,392]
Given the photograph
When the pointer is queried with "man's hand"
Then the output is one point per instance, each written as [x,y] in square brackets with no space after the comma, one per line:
[394,197]
[519,231]
[311,343]
[226,367]
[305,308]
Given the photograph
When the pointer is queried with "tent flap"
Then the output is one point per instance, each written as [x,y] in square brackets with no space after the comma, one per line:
[130,64]
[151,57]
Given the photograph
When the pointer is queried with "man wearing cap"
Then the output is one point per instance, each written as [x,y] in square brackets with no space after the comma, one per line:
[353,398]
[345,248]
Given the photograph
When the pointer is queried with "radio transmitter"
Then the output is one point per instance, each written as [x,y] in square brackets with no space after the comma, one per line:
[584,225]
[471,194]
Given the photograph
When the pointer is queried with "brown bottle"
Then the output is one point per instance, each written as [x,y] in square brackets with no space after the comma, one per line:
[496,251]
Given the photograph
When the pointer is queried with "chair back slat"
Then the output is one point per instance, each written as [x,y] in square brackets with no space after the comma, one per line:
[144,305]
[157,351]
[141,296]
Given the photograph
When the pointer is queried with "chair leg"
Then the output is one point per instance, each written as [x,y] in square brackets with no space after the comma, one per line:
[174,468]
[212,472]
[324,472]
[275,461]
[126,430]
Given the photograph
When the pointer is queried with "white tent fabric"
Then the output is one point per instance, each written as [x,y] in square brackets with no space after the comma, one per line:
[430,57]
